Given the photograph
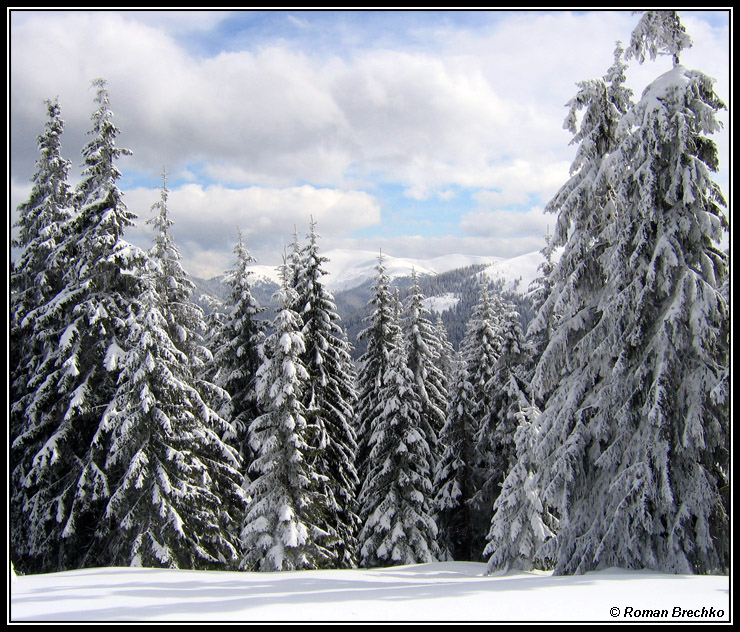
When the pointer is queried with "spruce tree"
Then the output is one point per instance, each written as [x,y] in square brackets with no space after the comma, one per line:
[84,327]
[568,304]
[563,329]
[174,287]
[329,400]
[186,325]
[35,278]
[395,500]
[237,342]
[480,350]
[175,485]
[507,390]
[521,523]
[445,350]
[424,359]
[281,528]
[634,441]
[454,477]
[380,335]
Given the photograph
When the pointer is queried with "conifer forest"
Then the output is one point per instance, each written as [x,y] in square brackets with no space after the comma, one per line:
[147,431]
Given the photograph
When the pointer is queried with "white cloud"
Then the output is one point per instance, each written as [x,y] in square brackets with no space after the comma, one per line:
[503,223]
[206,219]
[477,110]
[276,116]
[418,247]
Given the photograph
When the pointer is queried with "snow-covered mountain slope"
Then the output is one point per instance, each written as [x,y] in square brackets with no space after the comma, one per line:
[449,286]
[517,272]
[441,303]
[351,268]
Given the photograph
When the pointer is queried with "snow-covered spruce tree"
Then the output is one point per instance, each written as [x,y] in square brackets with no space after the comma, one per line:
[237,350]
[507,391]
[329,400]
[175,486]
[636,441]
[542,324]
[280,530]
[35,278]
[380,335]
[424,358]
[395,500]
[668,321]
[293,262]
[454,479]
[585,206]
[447,353]
[185,320]
[175,289]
[84,327]
[480,350]
[658,33]
[562,330]
[521,523]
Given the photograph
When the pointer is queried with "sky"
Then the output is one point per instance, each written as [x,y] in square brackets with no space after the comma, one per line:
[424,133]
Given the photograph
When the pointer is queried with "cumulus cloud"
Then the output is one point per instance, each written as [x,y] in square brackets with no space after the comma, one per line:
[206,219]
[273,133]
[277,115]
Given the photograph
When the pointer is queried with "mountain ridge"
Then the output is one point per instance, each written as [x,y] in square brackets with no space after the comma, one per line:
[449,284]
[348,269]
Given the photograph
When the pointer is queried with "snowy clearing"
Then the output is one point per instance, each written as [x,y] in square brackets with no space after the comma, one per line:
[445,591]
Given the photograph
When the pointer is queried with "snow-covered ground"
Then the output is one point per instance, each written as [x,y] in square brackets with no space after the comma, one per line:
[446,591]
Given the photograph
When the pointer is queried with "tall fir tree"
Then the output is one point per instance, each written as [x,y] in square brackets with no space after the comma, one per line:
[568,303]
[447,353]
[454,477]
[424,358]
[237,342]
[35,278]
[380,335]
[507,390]
[186,325]
[635,441]
[569,308]
[480,350]
[521,523]
[329,400]
[281,528]
[395,500]
[175,486]
[84,325]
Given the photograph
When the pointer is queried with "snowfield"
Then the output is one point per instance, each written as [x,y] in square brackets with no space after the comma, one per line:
[445,591]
